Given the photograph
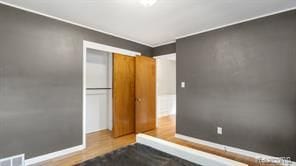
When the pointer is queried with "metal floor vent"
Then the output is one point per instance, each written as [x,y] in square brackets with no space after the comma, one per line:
[18,160]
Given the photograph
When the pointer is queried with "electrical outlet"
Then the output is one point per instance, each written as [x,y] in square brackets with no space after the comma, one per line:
[182,84]
[219,130]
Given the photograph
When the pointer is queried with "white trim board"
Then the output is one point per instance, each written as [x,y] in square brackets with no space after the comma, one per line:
[102,47]
[171,56]
[53,155]
[165,114]
[164,43]
[73,23]
[229,148]
[223,26]
[186,153]
[143,43]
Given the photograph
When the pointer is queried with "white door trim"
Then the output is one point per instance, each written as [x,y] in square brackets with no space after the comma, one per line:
[101,47]
[171,56]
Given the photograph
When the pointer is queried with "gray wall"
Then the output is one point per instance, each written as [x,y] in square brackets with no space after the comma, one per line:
[41,82]
[242,78]
[165,49]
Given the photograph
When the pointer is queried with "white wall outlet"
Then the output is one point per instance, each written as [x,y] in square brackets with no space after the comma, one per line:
[219,130]
[182,84]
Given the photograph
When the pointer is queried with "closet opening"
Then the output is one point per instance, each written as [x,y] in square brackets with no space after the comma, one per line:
[119,92]
[98,93]
[98,90]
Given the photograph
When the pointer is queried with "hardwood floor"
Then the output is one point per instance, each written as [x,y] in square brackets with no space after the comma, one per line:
[102,142]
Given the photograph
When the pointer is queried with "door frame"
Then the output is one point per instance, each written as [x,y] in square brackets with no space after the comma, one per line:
[101,47]
[164,56]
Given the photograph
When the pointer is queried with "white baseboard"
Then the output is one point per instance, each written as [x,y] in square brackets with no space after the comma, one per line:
[232,149]
[163,114]
[49,156]
[186,153]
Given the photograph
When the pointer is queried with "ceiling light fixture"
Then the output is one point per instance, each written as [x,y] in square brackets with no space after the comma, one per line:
[148,3]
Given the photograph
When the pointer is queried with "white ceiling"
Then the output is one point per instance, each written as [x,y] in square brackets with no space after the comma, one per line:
[162,23]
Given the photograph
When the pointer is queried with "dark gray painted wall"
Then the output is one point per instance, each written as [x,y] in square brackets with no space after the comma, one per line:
[165,49]
[242,78]
[41,82]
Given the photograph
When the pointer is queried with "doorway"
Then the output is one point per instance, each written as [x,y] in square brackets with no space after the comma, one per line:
[166,85]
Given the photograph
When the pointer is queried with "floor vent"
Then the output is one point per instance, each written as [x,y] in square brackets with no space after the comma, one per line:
[18,160]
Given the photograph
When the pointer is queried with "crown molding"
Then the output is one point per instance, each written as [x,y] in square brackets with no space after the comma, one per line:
[235,23]
[164,43]
[143,43]
[73,23]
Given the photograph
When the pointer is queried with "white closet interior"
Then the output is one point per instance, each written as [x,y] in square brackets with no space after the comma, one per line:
[98,90]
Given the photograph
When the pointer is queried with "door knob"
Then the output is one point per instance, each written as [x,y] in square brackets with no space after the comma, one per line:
[139,99]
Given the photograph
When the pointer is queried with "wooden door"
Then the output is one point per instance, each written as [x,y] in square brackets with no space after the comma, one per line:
[123,95]
[145,94]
